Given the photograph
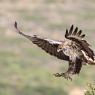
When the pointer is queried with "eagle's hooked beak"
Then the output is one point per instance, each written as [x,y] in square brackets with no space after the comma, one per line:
[58,50]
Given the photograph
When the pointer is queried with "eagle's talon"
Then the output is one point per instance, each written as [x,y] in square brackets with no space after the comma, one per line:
[66,76]
[57,75]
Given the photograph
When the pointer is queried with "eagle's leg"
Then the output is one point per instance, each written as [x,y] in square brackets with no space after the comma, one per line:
[67,74]
[74,68]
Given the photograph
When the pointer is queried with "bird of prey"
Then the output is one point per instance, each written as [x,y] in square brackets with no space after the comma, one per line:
[73,49]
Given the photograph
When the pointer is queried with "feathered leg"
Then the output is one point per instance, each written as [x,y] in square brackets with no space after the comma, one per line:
[69,72]
[74,68]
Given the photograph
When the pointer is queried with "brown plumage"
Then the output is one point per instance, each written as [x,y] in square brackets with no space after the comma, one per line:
[74,49]
[79,39]
[47,45]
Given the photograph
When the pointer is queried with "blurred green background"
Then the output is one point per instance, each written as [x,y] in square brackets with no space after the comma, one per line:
[27,70]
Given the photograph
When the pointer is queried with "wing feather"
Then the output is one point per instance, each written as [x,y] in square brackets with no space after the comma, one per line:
[78,66]
[50,46]
[75,31]
[71,30]
[79,33]
[78,38]
[82,36]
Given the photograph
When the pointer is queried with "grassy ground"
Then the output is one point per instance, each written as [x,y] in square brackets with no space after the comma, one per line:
[24,68]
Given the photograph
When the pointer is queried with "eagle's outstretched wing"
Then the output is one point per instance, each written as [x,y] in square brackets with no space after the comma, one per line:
[50,46]
[77,36]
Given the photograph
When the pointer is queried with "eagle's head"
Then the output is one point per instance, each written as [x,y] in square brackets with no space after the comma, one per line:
[63,47]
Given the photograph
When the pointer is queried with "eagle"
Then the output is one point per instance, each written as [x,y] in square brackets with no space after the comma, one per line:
[74,49]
